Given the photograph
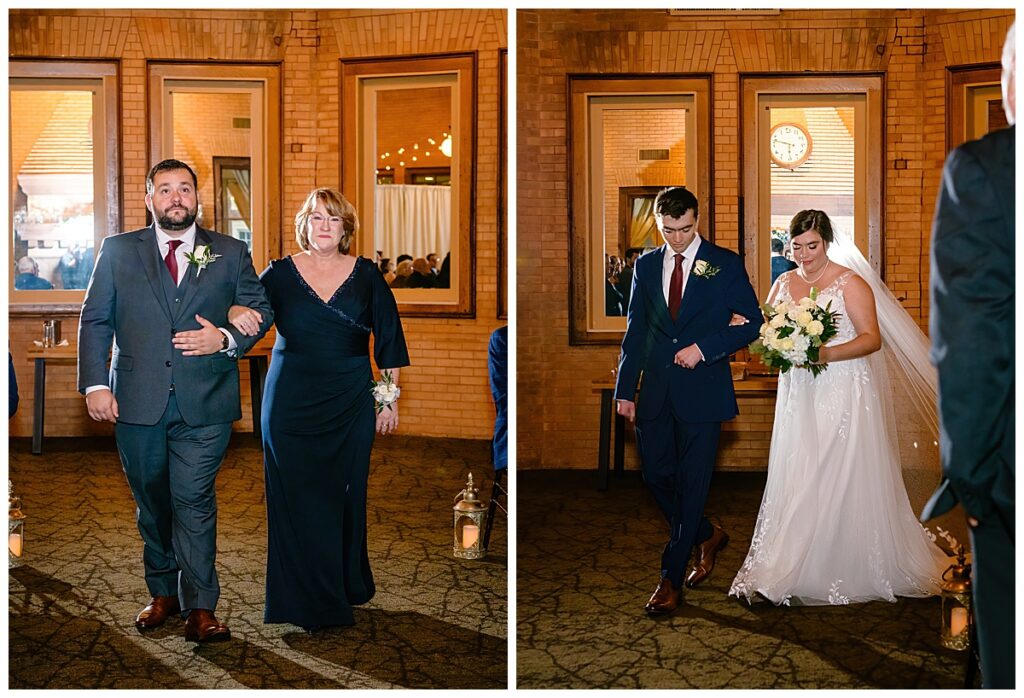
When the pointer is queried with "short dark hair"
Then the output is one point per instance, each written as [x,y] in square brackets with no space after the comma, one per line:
[811,219]
[403,257]
[675,202]
[633,251]
[166,166]
[778,245]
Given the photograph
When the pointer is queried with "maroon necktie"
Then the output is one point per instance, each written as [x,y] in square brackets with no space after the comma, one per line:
[675,289]
[171,260]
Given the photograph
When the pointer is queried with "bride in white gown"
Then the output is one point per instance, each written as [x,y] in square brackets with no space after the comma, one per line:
[835,524]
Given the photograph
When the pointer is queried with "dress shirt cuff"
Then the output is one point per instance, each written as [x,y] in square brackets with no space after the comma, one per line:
[94,388]
[232,344]
[701,353]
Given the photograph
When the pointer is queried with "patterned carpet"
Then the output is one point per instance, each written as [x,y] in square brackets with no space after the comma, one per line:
[588,561]
[436,622]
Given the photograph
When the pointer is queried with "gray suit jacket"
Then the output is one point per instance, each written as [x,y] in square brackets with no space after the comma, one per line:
[133,303]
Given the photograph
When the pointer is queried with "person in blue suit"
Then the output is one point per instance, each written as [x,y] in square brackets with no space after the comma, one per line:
[679,335]
[780,264]
[497,370]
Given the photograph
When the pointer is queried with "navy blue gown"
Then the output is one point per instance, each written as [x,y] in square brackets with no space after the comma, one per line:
[318,427]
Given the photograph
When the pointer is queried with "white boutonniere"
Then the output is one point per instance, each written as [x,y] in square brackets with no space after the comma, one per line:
[385,392]
[705,270]
[201,257]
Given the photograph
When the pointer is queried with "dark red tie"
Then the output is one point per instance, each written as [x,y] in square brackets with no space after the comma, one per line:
[675,289]
[171,260]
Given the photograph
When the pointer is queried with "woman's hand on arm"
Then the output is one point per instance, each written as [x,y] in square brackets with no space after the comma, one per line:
[246,320]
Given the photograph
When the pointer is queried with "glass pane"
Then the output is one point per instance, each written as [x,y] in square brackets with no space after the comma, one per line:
[208,126]
[413,196]
[52,179]
[644,150]
[812,166]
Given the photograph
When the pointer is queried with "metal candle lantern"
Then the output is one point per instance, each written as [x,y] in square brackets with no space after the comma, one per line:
[469,523]
[956,603]
[15,528]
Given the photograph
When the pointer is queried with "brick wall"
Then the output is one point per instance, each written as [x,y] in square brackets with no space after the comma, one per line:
[558,410]
[445,391]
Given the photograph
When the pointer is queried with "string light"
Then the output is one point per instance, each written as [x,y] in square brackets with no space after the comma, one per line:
[445,147]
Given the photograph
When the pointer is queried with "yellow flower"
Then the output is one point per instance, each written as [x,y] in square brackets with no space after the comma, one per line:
[804,318]
[815,328]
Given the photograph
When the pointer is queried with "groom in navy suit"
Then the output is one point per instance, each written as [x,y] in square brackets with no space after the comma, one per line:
[679,335]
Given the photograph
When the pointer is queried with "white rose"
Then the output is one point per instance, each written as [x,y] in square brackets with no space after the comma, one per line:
[700,267]
[815,328]
[200,251]
[804,318]
[764,328]
[786,343]
[801,343]
[778,321]
[793,313]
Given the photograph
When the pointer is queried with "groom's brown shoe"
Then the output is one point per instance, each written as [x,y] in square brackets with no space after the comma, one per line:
[156,612]
[203,626]
[666,598]
[706,552]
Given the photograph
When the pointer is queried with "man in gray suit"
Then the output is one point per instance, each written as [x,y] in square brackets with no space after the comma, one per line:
[161,295]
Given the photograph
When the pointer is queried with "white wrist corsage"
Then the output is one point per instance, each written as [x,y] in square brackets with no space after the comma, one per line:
[201,257]
[385,392]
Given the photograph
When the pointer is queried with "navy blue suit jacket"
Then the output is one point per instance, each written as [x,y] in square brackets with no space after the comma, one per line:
[972,327]
[497,368]
[705,392]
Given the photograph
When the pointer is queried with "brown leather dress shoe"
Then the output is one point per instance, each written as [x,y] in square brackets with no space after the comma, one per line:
[202,626]
[156,612]
[706,552]
[666,598]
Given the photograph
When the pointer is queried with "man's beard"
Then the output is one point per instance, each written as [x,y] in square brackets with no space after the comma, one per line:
[167,223]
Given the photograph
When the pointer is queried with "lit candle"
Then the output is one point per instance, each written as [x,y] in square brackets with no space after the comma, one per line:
[470,534]
[958,621]
[14,543]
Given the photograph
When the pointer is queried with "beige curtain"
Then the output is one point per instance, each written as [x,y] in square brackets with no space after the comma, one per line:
[643,231]
[240,187]
[413,219]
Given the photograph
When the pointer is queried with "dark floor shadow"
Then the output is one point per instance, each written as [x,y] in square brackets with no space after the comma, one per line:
[255,667]
[56,650]
[833,633]
[411,650]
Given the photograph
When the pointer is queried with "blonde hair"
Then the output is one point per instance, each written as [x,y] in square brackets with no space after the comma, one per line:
[336,205]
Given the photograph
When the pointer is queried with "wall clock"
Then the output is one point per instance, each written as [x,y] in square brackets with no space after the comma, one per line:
[789,145]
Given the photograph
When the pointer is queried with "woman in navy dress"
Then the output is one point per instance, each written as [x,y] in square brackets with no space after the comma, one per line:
[319,416]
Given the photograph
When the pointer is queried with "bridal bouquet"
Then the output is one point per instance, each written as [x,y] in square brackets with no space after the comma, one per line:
[794,332]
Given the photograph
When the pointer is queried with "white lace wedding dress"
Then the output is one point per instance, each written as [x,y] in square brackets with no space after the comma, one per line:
[835,524]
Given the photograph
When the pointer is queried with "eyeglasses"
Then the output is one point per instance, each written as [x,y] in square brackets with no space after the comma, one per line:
[317,219]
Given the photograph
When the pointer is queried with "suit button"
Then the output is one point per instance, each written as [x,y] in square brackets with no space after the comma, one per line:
[675,341]
[177,300]
[167,364]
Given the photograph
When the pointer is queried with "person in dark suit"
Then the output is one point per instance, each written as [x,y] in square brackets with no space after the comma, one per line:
[12,387]
[625,285]
[780,265]
[172,387]
[972,328]
[497,371]
[679,334]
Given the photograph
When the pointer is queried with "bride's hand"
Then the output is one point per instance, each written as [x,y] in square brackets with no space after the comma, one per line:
[822,356]
[246,320]
[387,420]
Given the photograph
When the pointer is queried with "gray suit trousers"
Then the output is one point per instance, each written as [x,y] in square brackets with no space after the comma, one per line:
[171,468]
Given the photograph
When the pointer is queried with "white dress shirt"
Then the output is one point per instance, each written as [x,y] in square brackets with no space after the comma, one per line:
[668,265]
